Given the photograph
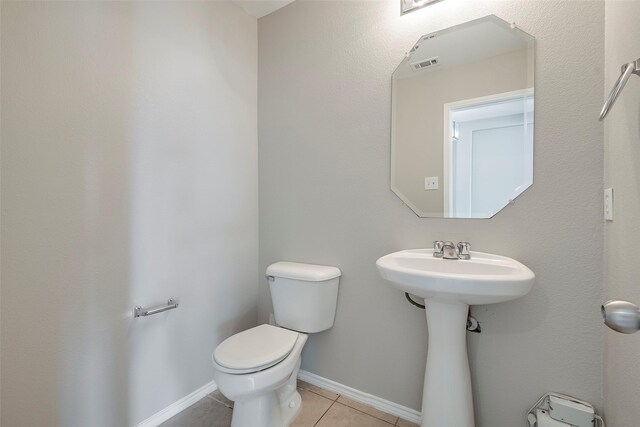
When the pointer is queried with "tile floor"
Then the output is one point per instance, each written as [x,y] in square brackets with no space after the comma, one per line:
[320,408]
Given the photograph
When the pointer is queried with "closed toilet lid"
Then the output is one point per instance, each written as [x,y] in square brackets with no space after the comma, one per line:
[255,349]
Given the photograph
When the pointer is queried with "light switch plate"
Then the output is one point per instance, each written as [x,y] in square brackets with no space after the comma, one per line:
[431,183]
[608,204]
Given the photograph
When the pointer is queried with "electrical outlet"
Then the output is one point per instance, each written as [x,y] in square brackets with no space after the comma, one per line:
[431,183]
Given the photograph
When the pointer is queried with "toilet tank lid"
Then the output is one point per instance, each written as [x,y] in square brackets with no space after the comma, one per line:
[306,272]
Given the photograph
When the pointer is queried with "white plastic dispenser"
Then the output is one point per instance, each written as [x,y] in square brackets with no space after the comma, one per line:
[559,410]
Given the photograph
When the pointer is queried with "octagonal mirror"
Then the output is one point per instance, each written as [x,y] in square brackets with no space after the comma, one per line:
[462,120]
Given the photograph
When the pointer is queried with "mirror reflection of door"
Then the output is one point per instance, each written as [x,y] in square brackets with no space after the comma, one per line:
[488,153]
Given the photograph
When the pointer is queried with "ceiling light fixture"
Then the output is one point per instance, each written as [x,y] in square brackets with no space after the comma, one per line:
[407,6]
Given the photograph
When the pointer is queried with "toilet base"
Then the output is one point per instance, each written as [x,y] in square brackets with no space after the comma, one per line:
[266,411]
[274,408]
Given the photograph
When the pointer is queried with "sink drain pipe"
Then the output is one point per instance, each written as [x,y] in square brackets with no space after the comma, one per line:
[411,300]
[472,324]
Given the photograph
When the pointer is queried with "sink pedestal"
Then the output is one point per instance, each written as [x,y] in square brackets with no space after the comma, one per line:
[447,400]
[448,288]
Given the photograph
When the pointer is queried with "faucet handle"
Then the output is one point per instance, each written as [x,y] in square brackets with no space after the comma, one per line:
[463,250]
[438,245]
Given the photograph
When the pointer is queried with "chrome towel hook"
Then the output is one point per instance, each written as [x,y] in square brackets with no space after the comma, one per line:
[627,70]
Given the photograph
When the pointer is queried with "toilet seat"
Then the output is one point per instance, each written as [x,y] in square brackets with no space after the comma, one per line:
[255,349]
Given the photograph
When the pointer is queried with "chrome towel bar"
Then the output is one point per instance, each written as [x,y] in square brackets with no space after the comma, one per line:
[627,70]
[138,311]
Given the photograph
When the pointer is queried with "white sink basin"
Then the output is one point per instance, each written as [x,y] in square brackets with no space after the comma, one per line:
[448,288]
[483,279]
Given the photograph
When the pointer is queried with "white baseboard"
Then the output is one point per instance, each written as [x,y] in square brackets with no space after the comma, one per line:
[362,397]
[359,396]
[159,417]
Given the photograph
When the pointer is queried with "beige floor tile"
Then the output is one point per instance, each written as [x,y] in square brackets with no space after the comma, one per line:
[368,410]
[219,397]
[405,423]
[313,408]
[317,390]
[340,415]
[204,413]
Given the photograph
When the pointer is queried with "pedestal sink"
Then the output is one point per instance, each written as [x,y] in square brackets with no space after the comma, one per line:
[448,288]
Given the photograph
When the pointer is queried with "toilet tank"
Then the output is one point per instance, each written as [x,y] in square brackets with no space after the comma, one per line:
[304,296]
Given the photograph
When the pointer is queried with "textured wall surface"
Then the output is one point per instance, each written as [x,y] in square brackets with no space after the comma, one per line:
[622,172]
[129,175]
[324,126]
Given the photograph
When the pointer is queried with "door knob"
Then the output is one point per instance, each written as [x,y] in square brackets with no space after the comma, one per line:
[621,316]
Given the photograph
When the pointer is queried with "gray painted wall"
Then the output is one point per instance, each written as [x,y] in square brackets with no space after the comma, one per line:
[129,175]
[622,172]
[324,118]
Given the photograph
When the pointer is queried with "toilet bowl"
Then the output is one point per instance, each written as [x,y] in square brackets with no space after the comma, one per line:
[266,397]
[258,368]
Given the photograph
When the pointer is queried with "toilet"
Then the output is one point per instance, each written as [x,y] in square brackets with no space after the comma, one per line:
[258,368]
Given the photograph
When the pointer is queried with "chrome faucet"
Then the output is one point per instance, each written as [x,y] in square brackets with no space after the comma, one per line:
[437,248]
[463,250]
[447,250]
